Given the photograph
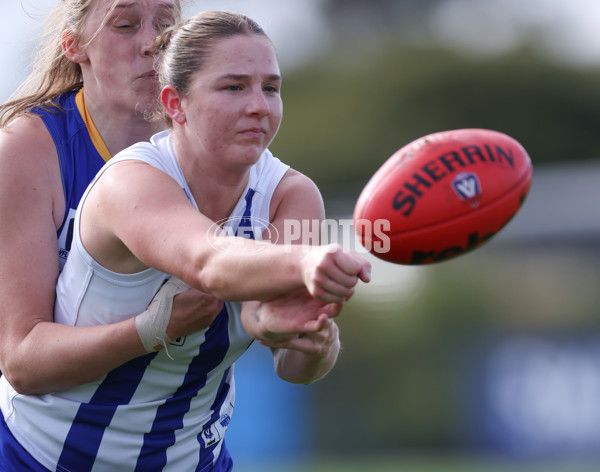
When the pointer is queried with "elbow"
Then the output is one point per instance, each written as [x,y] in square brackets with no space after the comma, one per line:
[21,382]
[212,282]
[301,380]
[302,374]
[23,377]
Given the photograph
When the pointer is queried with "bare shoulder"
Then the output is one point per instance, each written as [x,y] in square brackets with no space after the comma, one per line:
[297,194]
[28,161]
[28,139]
[294,182]
[26,127]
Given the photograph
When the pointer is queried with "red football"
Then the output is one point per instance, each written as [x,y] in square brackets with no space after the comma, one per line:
[442,195]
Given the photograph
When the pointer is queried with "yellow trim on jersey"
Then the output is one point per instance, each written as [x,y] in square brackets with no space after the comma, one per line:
[97,140]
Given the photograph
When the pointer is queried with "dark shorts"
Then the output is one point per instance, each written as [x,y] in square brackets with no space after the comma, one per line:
[13,457]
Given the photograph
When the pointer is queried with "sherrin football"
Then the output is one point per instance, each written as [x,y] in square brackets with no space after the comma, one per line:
[442,195]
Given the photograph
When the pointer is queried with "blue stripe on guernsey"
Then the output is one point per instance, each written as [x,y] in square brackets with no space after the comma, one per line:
[224,462]
[208,431]
[169,416]
[246,219]
[84,438]
[13,456]
[245,227]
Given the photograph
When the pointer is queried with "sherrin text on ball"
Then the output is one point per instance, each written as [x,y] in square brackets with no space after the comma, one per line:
[444,194]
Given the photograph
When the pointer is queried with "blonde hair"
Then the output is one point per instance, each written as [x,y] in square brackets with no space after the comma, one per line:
[52,72]
[184,48]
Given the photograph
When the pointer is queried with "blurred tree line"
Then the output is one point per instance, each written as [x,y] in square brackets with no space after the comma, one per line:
[352,107]
[398,383]
[407,377]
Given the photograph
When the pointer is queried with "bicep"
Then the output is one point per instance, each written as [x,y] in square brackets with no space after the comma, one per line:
[138,212]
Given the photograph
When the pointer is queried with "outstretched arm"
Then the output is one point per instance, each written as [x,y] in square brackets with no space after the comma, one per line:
[136,216]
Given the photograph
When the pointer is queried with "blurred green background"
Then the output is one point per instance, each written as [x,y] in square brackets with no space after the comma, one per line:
[346,112]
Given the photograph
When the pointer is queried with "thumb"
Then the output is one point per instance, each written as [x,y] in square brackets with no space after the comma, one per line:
[314,326]
[364,268]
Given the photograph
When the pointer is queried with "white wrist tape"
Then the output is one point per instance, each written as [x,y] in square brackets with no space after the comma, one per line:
[152,324]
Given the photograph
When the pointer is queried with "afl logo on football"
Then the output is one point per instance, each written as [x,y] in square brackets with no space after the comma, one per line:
[467,187]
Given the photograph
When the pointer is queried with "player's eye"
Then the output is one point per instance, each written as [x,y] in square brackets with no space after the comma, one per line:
[164,23]
[271,88]
[125,24]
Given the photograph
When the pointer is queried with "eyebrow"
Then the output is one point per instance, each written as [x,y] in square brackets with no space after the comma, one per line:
[163,6]
[271,77]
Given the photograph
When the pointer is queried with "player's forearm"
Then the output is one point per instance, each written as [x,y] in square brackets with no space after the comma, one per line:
[260,274]
[54,357]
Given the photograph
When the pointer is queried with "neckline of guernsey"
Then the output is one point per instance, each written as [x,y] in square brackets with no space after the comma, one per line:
[97,140]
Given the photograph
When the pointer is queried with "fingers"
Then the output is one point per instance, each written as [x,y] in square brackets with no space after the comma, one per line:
[329,291]
[332,309]
[350,263]
[337,273]
[192,311]
[316,343]
[314,326]
[365,272]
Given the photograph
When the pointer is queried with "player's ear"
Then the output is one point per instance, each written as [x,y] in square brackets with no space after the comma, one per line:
[171,102]
[72,49]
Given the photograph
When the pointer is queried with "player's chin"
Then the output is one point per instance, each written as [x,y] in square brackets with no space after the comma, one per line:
[249,153]
[147,89]
[147,103]
[148,111]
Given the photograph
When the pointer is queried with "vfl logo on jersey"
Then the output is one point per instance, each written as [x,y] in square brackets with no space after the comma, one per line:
[216,431]
[467,187]
[224,420]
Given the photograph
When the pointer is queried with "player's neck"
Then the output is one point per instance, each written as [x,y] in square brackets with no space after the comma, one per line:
[217,199]
[120,129]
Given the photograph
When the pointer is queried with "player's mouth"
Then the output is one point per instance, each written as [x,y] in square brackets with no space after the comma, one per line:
[256,133]
[151,74]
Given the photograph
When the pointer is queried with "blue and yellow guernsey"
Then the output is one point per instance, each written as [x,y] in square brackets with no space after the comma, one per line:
[81,154]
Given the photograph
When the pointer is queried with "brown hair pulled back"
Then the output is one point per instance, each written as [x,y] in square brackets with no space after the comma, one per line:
[184,49]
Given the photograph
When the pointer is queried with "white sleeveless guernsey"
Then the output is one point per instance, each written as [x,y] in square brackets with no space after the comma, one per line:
[152,413]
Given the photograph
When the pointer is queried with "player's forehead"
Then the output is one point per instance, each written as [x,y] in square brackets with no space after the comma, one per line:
[243,52]
[102,8]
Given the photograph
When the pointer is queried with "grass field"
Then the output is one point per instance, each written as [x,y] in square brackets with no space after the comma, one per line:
[422,465]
